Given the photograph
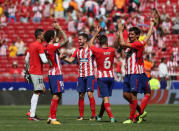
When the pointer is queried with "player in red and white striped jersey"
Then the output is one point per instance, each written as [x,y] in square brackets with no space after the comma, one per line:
[85,68]
[104,57]
[86,74]
[55,74]
[135,80]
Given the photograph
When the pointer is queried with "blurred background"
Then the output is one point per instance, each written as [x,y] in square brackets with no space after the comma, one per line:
[20,18]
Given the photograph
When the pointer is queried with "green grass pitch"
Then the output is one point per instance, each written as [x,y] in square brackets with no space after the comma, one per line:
[159,118]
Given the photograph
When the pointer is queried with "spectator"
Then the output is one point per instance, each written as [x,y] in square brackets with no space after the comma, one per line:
[59,10]
[12,12]
[37,9]
[3,47]
[149,49]
[24,14]
[161,42]
[73,4]
[166,26]
[176,23]
[164,15]
[111,38]
[109,5]
[20,47]
[47,9]
[15,71]
[3,20]
[71,26]
[163,73]
[148,66]
[154,83]
[175,51]
[172,66]
[1,9]
[12,50]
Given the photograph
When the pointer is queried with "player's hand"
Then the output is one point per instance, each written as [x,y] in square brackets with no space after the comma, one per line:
[98,29]
[120,26]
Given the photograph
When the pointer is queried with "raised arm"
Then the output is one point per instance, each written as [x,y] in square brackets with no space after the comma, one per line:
[120,31]
[91,42]
[69,59]
[150,31]
[61,33]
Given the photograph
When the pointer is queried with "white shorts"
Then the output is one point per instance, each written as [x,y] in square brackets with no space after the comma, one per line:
[38,83]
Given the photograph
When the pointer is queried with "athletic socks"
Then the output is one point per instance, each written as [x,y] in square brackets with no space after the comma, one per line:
[34,101]
[144,102]
[107,107]
[81,107]
[133,105]
[53,108]
[102,109]
[92,105]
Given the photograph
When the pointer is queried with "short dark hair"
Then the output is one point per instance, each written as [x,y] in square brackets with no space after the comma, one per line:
[49,34]
[163,59]
[84,35]
[135,29]
[103,39]
[38,32]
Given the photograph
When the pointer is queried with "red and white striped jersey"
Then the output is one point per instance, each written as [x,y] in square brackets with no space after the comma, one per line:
[104,58]
[85,59]
[171,65]
[55,69]
[134,58]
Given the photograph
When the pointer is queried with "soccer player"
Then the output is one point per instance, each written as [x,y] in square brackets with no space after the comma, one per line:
[34,59]
[55,75]
[104,57]
[86,74]
[135,80]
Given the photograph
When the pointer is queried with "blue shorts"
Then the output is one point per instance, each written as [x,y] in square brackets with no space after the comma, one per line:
[144,84]
[105,86]
[85,84]
[56,84]
[131,83]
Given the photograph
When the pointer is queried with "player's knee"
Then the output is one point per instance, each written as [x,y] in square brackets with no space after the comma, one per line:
[126,95]
[90,94]
[81,95]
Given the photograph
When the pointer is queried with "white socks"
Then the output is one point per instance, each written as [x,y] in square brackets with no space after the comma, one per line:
[34,101]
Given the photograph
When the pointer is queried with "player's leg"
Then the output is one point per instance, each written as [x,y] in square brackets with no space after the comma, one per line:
[53,110]
[81,89]
[57,88]
[39,88]
[105,88]
[90,89]
[132,97]
[102,109]
[146,91]
[81,105]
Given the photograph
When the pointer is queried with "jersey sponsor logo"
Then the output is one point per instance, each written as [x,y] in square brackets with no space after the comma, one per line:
[83,59]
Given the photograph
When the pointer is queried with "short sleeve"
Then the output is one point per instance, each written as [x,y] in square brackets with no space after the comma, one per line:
[75,53]
[138,44]
[93,48]
[41,49]
[56,45]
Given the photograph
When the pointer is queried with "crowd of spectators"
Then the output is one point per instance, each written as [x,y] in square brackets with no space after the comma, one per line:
[85,15]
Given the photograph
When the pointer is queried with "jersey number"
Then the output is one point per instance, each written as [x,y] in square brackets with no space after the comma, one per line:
[107,63]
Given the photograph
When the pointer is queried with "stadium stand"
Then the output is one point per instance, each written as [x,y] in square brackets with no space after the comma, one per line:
[26,32]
